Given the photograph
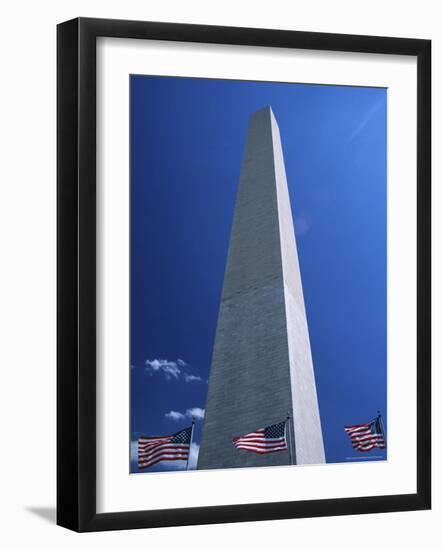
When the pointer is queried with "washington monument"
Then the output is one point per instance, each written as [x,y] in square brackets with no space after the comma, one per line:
[262,366]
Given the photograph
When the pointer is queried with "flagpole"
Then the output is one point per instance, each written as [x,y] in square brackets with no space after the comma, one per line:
[190,445]
[381,422]
[289,438]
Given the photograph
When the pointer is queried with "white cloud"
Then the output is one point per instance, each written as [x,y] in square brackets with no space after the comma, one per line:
[172,370]
[192,378]
[175,415]
[194,412]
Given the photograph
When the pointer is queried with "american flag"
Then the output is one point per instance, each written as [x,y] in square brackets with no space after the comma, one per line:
[264,440]
[365,437]
[152,450]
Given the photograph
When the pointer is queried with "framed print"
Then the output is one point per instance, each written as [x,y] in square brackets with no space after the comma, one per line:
[243,274]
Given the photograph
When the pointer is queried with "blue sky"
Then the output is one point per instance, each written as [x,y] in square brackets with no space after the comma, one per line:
[187,141]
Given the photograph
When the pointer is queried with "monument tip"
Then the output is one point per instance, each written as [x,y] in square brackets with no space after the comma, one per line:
[266,108]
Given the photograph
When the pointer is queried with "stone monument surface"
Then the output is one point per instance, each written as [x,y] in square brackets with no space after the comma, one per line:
[262,365]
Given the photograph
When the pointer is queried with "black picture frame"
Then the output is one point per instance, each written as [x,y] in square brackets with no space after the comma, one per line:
[76,273]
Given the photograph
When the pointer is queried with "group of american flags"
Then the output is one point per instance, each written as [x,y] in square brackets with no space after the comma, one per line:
[271,439]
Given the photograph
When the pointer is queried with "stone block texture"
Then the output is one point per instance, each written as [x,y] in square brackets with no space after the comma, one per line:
[261,365]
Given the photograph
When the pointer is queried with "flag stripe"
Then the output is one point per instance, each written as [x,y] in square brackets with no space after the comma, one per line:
[357,426]
[152,450]
[165,453]
[165,457]
[264,440]
[258,433]
[153,445]
[372,445]
[260,445]
[365,437]
[369,440]
[263,451]
[152,439]
[259,440]
[257,446]
[162,449]
[365,449]
[361,437]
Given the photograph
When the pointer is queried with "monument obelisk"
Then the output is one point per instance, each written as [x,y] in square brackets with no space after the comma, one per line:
[262,365]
